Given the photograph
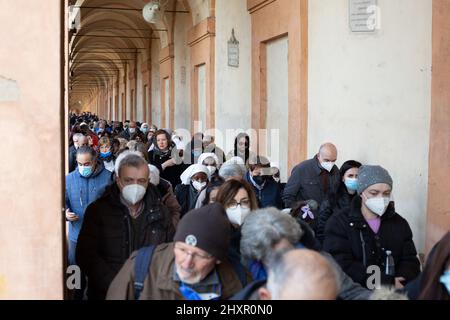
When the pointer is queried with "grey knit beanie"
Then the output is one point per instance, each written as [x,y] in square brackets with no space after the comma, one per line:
[370,175]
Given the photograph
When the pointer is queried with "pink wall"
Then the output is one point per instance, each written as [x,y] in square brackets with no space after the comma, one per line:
[31,166]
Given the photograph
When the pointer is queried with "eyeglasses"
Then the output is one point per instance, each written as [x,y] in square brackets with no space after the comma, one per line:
[244,204]
[195,256]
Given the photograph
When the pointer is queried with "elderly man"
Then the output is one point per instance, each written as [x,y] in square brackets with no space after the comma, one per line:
[128,216]
[269,230]
[194,267]
[314,179]
[79,140]
[130,131]
[301,275]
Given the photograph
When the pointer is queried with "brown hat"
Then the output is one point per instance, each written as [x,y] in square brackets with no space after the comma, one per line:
[207,228]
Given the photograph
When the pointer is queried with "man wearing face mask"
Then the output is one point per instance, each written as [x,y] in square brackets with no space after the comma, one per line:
[128,216]
[360,236]
[314,179]
[194,267]
[194,180]
[267,191]
[130,131]
[83,186]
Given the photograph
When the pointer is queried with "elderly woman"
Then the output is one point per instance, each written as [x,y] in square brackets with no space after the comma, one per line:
[268,231]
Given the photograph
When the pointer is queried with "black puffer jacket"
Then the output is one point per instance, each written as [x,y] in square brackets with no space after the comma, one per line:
[171,174]
[335,203]
[106,238]
[347,233]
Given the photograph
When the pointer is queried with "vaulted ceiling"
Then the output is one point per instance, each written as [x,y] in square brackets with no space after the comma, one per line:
[111,33]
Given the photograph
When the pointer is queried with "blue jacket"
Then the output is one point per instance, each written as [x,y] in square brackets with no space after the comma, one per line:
[81,192]
[269,196]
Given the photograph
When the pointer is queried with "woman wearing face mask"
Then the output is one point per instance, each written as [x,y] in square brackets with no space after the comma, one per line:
[237,197]
[165,157]
[210,161]
[434,281]
[106,154]
[343,197]
[194,180]
[362,235]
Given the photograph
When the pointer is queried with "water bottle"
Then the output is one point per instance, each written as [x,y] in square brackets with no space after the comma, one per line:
[390,268]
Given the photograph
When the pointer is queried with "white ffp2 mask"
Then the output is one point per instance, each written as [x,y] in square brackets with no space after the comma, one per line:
[378,205]
[133,193]
[237,215]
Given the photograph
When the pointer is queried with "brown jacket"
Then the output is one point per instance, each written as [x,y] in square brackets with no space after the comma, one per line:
[159,283]
[170,201]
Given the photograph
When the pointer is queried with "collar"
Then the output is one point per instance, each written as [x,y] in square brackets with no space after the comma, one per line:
[257,186]
[139,210]
[317,168]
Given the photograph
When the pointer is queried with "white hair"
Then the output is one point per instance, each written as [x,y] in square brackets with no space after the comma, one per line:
[122,156]
[154,174]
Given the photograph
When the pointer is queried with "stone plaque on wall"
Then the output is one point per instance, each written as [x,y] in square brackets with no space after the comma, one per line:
[233,51]
[364,15]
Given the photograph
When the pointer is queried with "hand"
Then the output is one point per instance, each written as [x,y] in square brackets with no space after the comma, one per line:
[71,216]
[168,163]
[398,282]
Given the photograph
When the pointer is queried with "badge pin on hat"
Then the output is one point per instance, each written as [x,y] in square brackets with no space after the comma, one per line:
[191,240]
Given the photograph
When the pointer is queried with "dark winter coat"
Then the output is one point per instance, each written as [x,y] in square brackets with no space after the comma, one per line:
[341,201]
[353,244]
[269,195]
[305,183]
[107,238]
[171,174]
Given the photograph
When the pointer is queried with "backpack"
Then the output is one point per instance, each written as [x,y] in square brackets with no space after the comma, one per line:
[141,265]
[143,261]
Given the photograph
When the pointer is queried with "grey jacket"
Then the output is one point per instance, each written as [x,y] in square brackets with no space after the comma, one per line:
[305,183]
[348,289]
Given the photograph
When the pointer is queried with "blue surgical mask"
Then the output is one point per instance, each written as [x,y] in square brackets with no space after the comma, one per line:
[351,184]
[104,155]
[197,153]
[85,171]
[445,280]
[144,130]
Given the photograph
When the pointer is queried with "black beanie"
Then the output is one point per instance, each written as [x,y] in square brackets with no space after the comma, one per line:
[207,228]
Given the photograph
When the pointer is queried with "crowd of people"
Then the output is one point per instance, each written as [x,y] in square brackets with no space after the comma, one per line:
[153,217]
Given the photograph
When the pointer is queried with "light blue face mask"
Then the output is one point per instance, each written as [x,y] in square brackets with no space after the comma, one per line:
[85,171]
[445,280]
[351,184]
[197,153]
